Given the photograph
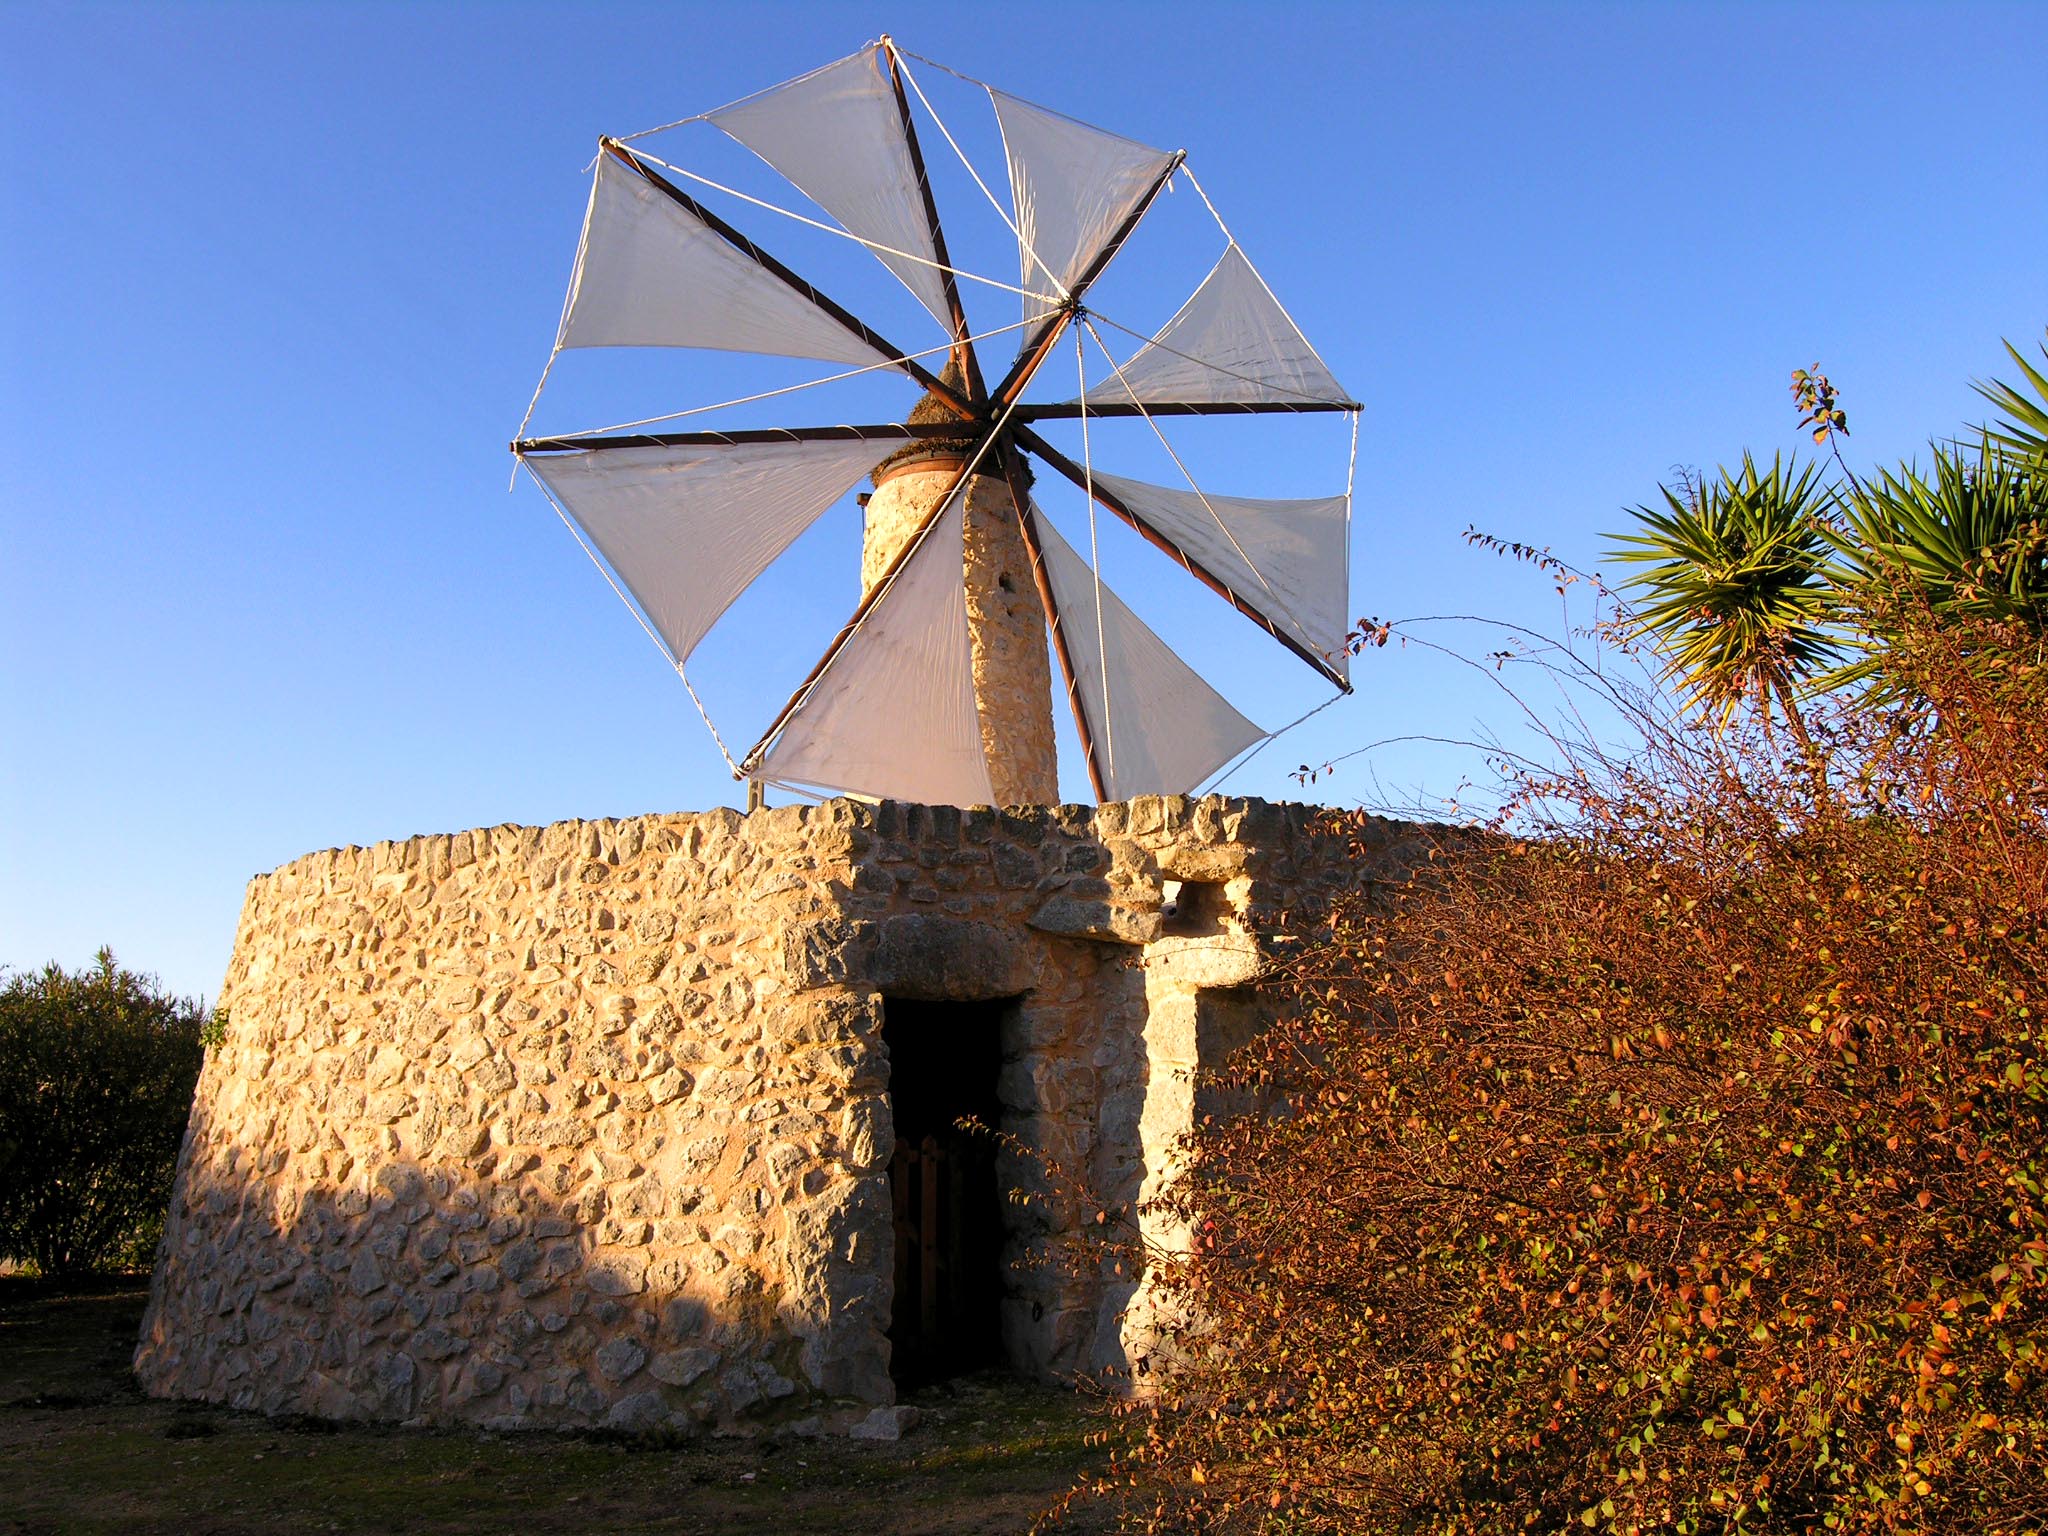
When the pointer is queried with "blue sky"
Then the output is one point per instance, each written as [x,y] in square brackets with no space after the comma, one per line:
[276,282]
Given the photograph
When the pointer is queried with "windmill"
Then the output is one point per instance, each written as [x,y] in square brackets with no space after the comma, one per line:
[938,687]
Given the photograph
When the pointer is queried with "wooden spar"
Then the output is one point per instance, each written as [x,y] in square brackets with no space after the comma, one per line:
[963,347]
[746,247]
[1070,410]
[1115,505]
[1020,496]
[1116,241]
[873,596]
[1028,360]
[904,431]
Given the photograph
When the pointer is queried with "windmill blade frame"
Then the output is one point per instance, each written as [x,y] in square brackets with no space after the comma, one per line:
[983,424]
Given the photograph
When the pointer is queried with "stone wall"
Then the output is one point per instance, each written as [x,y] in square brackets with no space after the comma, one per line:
[589,1124]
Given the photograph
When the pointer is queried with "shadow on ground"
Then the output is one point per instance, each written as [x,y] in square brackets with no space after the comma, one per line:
[81,1450]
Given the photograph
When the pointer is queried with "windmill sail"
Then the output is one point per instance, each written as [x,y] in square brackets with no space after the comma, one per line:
[685,520]
[894,713]
[837,134]
[652,274]
[1160,730]
[1231,342]
[1072,186]
[1288,559]
[689,529]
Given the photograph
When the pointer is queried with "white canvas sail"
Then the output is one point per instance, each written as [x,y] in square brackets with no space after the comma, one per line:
[683,530]
[894,712]
[687,530]
[1071,186]
[1231,342]
[1159,728]
[837,134]
[652,274]
[1285,558]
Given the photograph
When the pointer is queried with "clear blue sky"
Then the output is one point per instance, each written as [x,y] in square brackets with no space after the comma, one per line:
[276,281]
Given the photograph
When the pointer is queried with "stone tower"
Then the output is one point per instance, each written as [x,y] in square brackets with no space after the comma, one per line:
[1006,625]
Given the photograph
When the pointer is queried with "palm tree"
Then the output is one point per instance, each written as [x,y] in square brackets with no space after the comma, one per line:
[1967,542]
[1971,538]
[1763,587]
[2024,432]
[1737,590]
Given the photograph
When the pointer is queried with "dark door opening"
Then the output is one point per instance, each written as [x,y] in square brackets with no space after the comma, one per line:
[943,1062]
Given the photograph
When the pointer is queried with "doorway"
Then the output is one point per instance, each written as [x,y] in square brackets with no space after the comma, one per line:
[944,1058]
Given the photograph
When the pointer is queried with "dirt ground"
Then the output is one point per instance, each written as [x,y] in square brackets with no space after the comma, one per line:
[81,1450]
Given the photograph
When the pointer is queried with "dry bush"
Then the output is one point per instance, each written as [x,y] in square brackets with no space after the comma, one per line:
[1678,1167]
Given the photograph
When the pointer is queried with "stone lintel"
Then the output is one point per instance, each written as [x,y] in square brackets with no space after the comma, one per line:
[1076,917]
[910,956]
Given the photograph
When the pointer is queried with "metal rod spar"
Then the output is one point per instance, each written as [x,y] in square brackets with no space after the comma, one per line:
[963,347]
[873,596]
[1036,350]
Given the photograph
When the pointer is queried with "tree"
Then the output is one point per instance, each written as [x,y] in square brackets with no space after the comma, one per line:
[1738,596]
[1674,1164]
[97,1069]
[1766,589]
[1967,541]
[2024,431]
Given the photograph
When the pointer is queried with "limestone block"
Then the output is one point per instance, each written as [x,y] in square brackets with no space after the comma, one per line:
[681,1367]
[1085,918]
[891,1423]
[1015,867]
[365,1275]
[867,1139]
[620,1360]
[1202,861]
[437,1344]
[1216,960]
[911,955]
[824,953]
[917,956]
[619,1272]
[637,1413]
[393,1381]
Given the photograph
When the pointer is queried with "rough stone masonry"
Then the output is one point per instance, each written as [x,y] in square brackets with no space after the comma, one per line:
[590,1124]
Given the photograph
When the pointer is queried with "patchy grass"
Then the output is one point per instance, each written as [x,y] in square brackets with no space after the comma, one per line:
[81,1450]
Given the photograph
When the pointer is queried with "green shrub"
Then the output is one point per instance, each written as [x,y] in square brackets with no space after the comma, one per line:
[96,1075]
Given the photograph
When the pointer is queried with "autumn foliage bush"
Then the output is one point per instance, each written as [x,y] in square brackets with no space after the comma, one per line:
[1674,1166]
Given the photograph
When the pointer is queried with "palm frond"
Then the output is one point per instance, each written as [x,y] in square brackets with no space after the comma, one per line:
[2023,431]
[1972,536]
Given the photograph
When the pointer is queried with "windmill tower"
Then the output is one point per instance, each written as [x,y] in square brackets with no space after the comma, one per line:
[1005,616]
